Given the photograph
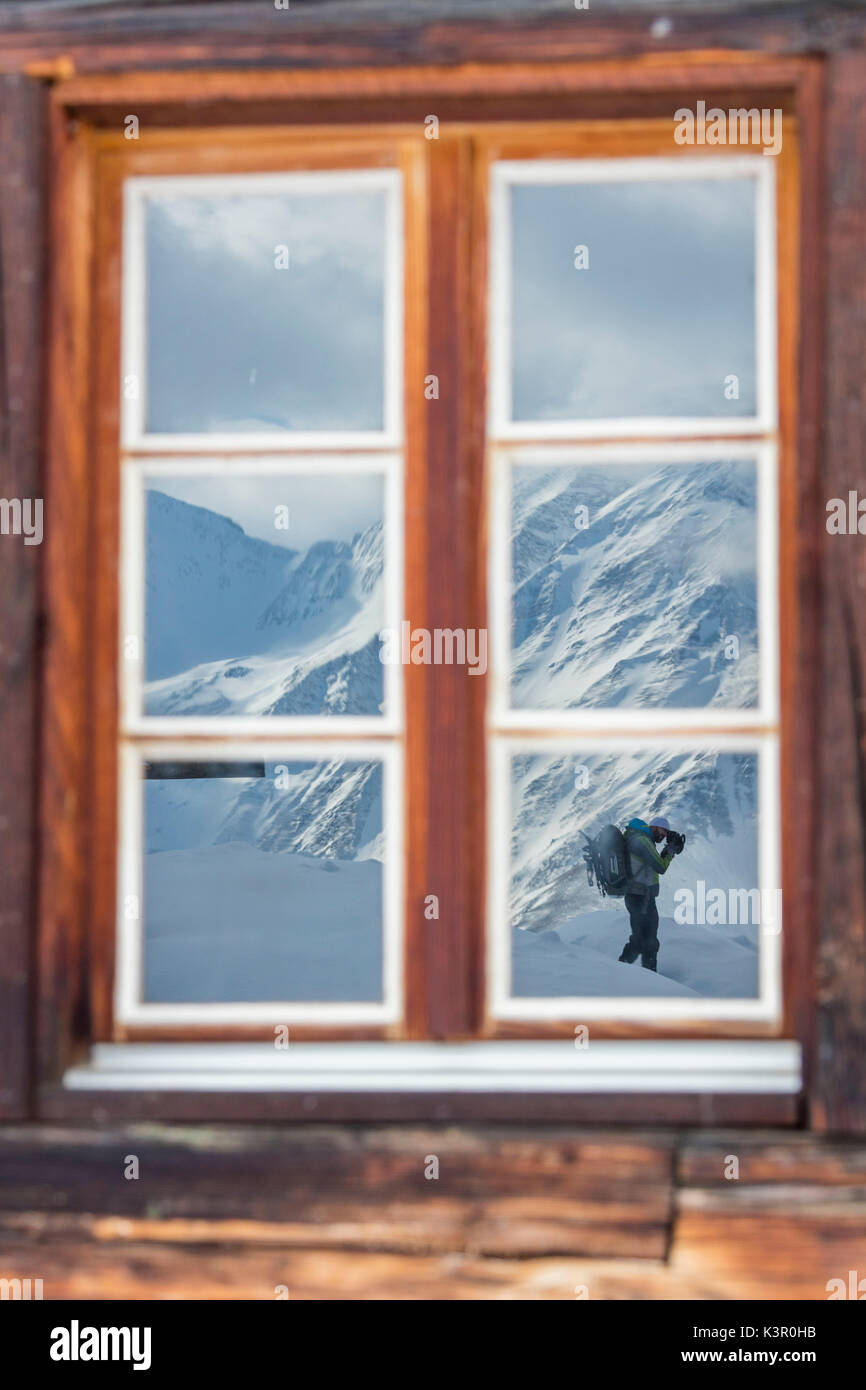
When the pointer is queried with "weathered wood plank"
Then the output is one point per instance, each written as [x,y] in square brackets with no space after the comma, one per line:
[234,1213]
[716,1254]
[142,1270]
[497,1192]
[127,35]
[454,751]
[22,271]
[740,1245]
[839,1092]
[800,1159]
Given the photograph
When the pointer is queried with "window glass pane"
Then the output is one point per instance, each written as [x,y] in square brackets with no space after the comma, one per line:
[264,594]
[634,585]
[266,311]
[568,940]
[633,298]
[263,882]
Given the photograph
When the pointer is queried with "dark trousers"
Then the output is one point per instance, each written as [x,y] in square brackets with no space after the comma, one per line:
[643,916]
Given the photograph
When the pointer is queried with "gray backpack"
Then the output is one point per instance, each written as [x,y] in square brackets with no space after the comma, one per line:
[606,859]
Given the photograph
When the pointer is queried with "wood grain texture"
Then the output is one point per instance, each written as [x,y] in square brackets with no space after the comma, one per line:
[839,1074]
[233,1213]
[140,35]
[498,1192]
[23,127]
[642,86]
[792,1160]
[714,1259]
[454,749]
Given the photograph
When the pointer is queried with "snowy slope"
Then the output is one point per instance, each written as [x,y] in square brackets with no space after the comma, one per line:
[547,966]
[330,808]
[205,578]
[580,958]
[234,923]
[709,795]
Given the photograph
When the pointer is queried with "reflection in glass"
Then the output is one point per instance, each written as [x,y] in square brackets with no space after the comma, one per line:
[265,312]
[567,939]
[263,882]
[634,585]
[264,595]
[659,319]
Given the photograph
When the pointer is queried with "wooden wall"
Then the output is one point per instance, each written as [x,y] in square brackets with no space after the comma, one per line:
[532,1212]
[234,1213]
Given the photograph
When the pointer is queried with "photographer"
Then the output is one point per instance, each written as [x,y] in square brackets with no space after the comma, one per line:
[645,865]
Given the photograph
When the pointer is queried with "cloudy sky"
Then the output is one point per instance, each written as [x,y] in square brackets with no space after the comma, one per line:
[662,315]
[234,343]
[329,507]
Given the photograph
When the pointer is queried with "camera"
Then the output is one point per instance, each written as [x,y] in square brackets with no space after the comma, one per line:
[676,842]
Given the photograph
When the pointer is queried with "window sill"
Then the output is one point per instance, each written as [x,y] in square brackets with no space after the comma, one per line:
[747,1067]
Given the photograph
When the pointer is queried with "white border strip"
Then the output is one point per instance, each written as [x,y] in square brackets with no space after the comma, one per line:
[503,1005]
[747,1068]
[504,716]
[128,1005]
[136,191]
[133,551]
[505,173]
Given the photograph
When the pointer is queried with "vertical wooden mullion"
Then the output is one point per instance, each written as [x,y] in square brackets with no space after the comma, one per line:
[449,942]
[23,136]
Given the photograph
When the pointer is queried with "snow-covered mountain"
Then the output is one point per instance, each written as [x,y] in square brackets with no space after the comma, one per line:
[635,607]
[237,625]
[557,798]
[711,796]
[331,808]
[262,887]
[631,609]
